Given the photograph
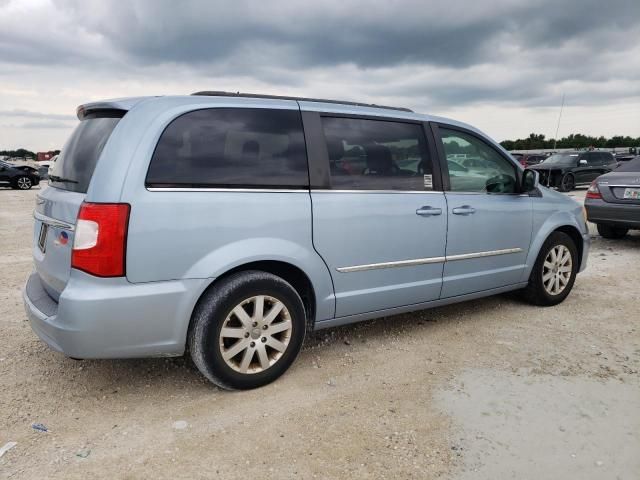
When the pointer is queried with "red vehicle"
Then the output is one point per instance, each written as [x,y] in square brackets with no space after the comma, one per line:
[527,159]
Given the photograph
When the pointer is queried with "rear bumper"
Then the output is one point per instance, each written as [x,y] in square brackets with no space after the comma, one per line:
[623,215]
[112,318]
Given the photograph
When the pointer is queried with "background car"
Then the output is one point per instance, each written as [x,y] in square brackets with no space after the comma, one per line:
[613,200]
[528,159]
[22,178]
[25,168]
[52,164]
[567,170]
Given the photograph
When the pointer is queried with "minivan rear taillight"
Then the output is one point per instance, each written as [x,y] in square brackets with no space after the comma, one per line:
[100,240]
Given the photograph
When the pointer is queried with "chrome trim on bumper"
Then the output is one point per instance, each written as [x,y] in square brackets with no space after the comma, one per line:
[425,261]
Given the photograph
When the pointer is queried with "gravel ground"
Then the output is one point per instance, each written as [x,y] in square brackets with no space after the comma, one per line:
[490,389]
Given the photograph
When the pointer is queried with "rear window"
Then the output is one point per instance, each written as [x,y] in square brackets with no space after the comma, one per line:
[607,158]
[77,160]
[231,147]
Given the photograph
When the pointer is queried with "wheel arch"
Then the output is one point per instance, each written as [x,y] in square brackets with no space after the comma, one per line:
[576,236]
[292,274]
[563,222]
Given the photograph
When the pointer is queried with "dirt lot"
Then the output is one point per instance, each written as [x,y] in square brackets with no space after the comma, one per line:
[487,389]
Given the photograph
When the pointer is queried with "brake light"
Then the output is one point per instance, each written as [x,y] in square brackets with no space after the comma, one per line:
[100,241]
[594,191]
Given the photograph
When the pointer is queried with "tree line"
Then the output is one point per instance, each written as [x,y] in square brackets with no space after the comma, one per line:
[575,140]
[21,153]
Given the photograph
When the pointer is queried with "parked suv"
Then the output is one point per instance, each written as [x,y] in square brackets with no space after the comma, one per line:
[570,169]
[22,178]
[230,225]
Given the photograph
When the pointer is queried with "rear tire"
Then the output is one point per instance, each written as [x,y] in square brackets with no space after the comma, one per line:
[567,183]
[247,330]
[607,231]
[554,273]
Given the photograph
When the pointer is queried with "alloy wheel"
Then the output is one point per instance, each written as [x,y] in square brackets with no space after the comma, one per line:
[557,270]
[24,183]
[255,334]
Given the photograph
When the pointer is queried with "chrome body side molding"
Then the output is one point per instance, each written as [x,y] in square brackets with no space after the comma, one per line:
[424,261]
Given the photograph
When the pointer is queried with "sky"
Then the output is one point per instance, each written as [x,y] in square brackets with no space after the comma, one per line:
[501,65]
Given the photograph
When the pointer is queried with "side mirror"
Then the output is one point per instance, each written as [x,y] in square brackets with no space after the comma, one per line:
[530,180]
[582,161]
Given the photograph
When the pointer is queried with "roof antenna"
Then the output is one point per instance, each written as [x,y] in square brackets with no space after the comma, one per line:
[555,139]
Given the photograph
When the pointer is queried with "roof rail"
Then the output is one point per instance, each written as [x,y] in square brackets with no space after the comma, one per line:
[215,93]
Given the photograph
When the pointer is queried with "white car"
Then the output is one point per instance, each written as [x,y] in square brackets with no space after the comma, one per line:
[51,165]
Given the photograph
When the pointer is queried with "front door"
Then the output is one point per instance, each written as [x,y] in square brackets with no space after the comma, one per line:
[5,170]
[381,226]
[589,164]
[489,223]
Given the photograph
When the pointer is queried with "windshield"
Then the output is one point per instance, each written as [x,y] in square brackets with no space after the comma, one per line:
[566,159]
[630,166]
[75,164]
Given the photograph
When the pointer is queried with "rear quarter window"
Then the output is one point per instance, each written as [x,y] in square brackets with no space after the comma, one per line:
[231,147]
[607,158]
[75,165]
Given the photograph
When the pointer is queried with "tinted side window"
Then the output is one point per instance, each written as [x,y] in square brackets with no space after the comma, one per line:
[231,147]
[607,158]
[594,159]
[377,155]
[474,166]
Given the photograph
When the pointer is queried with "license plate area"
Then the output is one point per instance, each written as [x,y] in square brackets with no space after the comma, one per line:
[631,194]
[42,237]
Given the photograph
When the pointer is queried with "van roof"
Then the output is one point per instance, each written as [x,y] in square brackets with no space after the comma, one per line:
[129,102]
[215,93]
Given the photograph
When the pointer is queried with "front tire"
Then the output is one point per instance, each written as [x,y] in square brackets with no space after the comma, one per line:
[554,272]
[567,183]
[23,183]
[247,330]
[607,231]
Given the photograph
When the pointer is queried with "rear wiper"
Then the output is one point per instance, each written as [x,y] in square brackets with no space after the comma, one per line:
[55,178]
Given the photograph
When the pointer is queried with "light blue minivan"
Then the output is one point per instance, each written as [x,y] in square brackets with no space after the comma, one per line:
[228,225]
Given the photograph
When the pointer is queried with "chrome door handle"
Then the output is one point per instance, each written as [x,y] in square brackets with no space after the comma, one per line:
[464,210]
[428,211]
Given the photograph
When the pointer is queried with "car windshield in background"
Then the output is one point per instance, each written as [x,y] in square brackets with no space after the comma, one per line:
[565,159]
[75,164]
[630,166]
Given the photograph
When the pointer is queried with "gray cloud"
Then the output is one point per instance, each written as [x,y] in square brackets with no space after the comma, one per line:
[422,54]
[36,126]
[40,115]
[458,33]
